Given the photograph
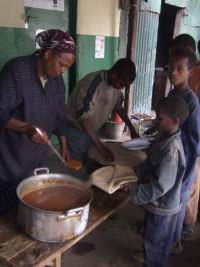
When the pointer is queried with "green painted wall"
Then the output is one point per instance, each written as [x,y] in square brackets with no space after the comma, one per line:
[20,42]
[13,43]
[86,61]
[16,42]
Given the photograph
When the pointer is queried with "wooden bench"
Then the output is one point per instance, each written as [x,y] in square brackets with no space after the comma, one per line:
[19,250]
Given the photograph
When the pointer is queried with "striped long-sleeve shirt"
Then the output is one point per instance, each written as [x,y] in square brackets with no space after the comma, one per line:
[93,99]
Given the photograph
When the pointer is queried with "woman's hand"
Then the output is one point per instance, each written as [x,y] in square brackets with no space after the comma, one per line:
[63,148]
[35,136]
[29,130]
[65,153]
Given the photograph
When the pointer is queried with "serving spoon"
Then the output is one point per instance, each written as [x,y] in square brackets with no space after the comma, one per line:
[68,164]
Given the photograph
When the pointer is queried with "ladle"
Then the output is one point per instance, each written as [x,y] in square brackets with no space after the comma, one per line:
[59,156]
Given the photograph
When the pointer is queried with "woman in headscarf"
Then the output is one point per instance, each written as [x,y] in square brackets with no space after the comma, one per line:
[32,94]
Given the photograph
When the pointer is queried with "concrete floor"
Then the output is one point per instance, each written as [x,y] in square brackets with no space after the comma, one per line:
[112,243]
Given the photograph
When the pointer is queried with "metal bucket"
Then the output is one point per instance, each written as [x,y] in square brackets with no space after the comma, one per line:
[114,130]
[51,226]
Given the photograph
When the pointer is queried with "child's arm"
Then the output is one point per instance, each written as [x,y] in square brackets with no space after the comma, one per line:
[161,183]
[190,129]
[191,135]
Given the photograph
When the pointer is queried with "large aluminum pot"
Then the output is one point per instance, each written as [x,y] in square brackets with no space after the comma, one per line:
[51,226]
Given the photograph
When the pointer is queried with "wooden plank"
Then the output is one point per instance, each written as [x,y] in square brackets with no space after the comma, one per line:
[12,241]
[55,263]
[14,246]
[51,263]
[40,253]
[8,227]
[3,263]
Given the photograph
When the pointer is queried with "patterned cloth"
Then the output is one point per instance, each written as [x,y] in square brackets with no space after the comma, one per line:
[57,40]
[8,198]
[22,96]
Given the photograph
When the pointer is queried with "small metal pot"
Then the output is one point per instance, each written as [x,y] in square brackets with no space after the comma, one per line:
[51,226]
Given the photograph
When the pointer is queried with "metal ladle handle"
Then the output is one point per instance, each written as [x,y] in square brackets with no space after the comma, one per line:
[52,147]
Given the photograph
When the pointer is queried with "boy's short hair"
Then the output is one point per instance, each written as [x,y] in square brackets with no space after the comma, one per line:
[192,60]
[174,107]
[184,41]
[125,70]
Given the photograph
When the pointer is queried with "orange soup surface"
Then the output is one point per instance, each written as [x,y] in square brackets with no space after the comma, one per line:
[57,198]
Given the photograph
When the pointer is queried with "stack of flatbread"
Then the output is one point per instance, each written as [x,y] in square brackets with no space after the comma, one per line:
[110,178]
[122,155]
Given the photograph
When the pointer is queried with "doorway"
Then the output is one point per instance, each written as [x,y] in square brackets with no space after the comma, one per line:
[168,27]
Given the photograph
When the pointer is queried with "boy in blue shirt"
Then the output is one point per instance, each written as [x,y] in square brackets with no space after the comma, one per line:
[160,182]
[186,41]
[181,65]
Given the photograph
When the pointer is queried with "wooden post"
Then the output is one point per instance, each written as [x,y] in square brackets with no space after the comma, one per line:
[58,260]
[131,48]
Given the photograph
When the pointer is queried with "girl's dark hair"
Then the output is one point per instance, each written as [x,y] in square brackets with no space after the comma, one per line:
[125,70]
[174,107]
[184,41]
[192,59]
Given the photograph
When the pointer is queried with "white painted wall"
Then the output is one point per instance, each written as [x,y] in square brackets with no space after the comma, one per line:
[98,17]
[12,13]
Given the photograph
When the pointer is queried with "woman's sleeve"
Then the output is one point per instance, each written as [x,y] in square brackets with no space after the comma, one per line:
[190,130]
[60,127]
[10,95]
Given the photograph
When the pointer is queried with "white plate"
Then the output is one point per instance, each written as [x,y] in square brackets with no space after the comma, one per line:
[138,147]
[136,144]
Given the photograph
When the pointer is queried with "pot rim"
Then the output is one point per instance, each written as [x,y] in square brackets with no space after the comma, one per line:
[55,176]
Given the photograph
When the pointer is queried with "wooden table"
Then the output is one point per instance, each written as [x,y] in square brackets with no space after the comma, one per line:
[19,250]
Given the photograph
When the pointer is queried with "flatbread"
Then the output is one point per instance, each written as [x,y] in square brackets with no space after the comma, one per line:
[110,178]
[122,155]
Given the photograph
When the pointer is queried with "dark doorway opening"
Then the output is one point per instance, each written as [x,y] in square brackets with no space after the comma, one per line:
[167,24]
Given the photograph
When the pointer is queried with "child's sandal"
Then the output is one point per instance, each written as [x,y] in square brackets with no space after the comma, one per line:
[187,233]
